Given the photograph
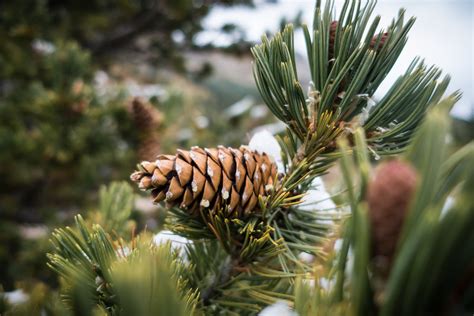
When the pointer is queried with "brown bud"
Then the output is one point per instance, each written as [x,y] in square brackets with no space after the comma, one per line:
[388,195]
[145,116]
[147,120]
[380,45]
[332,38]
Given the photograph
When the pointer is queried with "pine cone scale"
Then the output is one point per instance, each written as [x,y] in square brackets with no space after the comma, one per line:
[239,171]
[158,178]
[214,172]
[164,165]
[175,190]
[197,185]
[199,159]
[184,174]
[212,153]
[227,161]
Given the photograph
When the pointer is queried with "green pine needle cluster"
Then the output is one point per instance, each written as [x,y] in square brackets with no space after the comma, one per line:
[105,276]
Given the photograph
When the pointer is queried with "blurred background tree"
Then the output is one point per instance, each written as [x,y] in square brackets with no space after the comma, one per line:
[105,27]
[68,73]
[56,125]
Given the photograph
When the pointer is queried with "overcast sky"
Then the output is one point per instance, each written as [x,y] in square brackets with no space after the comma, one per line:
[443,34]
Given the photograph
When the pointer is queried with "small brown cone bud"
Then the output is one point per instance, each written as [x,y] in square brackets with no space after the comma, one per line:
[147,120]
[373,42]
[218,179]
[332,39]
[145,115]
[388,195]
[332,54]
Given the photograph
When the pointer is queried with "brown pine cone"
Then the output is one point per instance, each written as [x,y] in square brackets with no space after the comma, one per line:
[388,195]
[224,179]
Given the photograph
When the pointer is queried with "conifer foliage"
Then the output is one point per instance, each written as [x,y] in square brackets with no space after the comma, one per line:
[412,248]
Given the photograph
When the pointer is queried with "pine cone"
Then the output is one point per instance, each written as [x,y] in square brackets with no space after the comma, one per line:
[388,195]
[147,120]
[214,179]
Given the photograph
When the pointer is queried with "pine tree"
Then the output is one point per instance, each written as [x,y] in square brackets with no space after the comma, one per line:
[239,262]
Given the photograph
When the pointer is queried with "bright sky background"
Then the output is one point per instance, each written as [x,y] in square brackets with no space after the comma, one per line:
[443,34]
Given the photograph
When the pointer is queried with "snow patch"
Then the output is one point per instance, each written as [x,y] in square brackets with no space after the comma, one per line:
[264,142]
[16,297]
[177,242]
[280,308]
[317,198]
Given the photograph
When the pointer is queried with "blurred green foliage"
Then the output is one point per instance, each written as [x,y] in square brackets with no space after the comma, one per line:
[55,127]
[63,134]
[102,26]
[55,130]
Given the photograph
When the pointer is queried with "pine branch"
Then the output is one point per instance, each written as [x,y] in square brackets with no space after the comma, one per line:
[227,284]
[83,257]
[223,276]
[348,60]
[150,283]
[141,280]
[115,206]
[256,229]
